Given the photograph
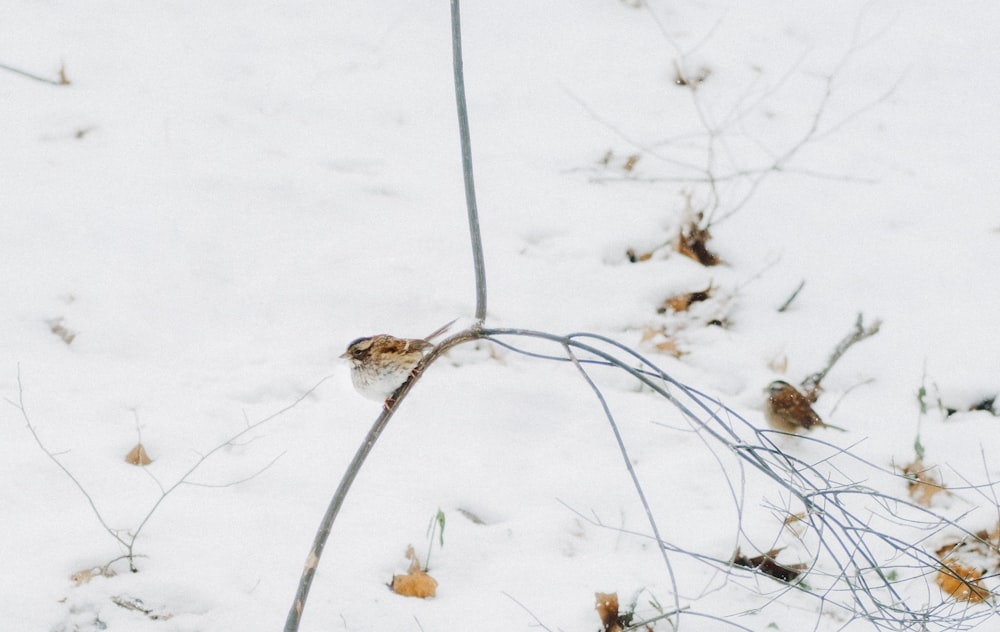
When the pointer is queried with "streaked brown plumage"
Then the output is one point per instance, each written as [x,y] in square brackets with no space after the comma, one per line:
[381,364]
[789,410]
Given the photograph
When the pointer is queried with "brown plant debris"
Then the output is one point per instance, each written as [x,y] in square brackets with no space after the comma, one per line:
[612,620]
[692,242]
[796,523]
[56,326]
[964,564]
[634,257]
[769,566]
[627,166]
[962,583]
[84,576]
[135,604]
[416,582]
[662,341]
[923,483]
[692,80]
[138,456]
[682,302]
[986,404]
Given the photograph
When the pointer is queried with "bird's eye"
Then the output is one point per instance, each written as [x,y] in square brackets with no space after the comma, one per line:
[359,348]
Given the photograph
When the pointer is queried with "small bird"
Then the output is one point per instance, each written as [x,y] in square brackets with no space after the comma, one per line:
[789,410]
[381,364]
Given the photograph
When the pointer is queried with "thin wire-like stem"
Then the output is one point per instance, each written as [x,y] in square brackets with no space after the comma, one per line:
[24,73]
[631,471]
[478,260]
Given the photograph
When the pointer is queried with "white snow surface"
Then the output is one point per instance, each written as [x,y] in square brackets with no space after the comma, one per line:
[227,193]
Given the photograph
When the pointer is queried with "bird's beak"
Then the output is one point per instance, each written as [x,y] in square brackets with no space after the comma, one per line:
[345,355]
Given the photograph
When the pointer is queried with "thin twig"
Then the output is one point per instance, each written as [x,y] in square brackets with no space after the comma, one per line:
[630,469]
[525,608]
[784,306]
[19,404]
[62,81]
[811,384]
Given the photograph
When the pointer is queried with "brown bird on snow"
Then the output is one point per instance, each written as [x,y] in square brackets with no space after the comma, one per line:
[789,410]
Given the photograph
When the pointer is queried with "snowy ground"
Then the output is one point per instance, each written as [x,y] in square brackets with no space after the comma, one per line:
[229,192]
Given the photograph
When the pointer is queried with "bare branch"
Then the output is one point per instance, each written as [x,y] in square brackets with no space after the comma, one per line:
[811,384]
[19,404]
[784,306]
[132,535]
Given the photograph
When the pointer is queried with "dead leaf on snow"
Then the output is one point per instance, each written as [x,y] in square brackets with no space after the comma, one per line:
[962,583]
[606,605]
[416,582]
[769,566]
[138,456]
[692,242]
[682,302]
[662,342]
[964,563]
[923,482]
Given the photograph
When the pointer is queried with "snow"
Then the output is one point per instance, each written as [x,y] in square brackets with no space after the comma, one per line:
[228,193]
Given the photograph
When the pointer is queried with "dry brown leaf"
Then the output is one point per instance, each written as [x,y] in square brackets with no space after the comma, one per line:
[634,257]
[769,566]
[962,583]
[667,344]
[416,582]
[795,523]
[924,482]
[692,242]
[138,456]
[630,162]
[965,561]
[606,605]
[682,302]
[670,347]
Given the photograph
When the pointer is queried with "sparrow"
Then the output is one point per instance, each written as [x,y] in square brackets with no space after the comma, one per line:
[381,364]
[789,410]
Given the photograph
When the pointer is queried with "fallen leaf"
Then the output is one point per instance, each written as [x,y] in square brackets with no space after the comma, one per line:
[962,583]
[923,482]
[633,257]
[682,302]
[769,566]
[692,242]
[606,605]
[416,582]
[138,456]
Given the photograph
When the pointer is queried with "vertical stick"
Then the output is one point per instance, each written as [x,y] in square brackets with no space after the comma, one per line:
[470,186]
